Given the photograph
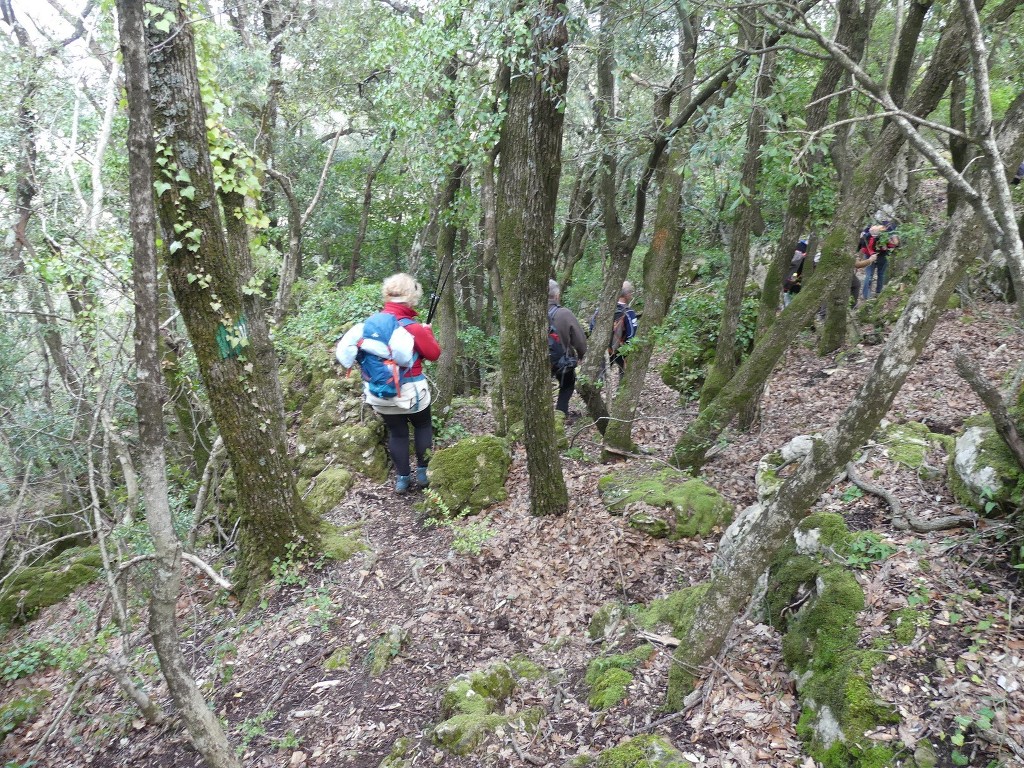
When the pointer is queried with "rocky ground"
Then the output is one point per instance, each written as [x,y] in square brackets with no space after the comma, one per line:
[342,660]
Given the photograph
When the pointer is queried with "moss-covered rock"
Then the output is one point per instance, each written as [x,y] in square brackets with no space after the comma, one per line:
[909,444]
[644,751]
[470,475]
[609,676]
[820,645]
[696,508]
[473,704]
[983,472]
[358,447]
[385,650]
[774,468]
[340,660]
[16,711]
[39,586]
[329,488]
[399,756]
[606,623]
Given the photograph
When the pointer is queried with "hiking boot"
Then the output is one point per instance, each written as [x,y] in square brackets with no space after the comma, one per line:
[421,477]
[402,484]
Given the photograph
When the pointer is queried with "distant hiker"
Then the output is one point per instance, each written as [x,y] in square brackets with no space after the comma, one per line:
[1018,175]
[389,347]
[791,285]
[877,241]
[566,345]
[860,263]
[624,325]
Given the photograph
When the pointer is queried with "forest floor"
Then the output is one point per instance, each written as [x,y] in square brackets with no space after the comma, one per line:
[536,584]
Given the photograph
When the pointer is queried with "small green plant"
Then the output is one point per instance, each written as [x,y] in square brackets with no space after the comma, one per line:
[867,548]
[851,494]
[448,432]
[27,659]
[467,538]
[288,571]
[919,596]
[253,727]
[288,741]
[321,608]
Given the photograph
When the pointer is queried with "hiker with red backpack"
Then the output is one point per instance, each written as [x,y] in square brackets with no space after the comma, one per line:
[567,345]
[877,242]
[389,346]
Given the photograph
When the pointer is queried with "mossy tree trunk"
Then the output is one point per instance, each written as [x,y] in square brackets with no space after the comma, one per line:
[832,277]
[727,354]
[531,147]
[208,263]
[203,725]
[447,316]
[661,272]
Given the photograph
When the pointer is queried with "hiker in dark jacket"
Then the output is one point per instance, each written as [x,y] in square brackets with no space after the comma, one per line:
[791,285]
[573,341]
[621,334]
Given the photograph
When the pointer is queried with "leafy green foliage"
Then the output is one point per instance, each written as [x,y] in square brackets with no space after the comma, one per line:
[27,659]
[866,548]
[468,538]
[324,312]
[691,333]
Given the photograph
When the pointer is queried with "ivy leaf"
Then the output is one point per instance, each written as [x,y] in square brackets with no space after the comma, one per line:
[164,24]
[174,246]
[215,306]
[191,277]
[189,193]
[183,175]
[161,187]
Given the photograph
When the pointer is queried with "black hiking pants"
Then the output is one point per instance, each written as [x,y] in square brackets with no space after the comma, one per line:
[566,384]
[398,437]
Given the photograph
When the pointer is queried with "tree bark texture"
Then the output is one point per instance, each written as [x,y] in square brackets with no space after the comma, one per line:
[752,540]
[726,352]
[660,274]
[227,328]
[989,395]
[531,146]
[832,277]
[447,316]
[203,725]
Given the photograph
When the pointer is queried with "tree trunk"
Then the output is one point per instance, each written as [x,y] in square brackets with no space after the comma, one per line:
[726,352]
[208,263]
[364,213]
[661,272]
[531,147]
[447,316]
[203,725]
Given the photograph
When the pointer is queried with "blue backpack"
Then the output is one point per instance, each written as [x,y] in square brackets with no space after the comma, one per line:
[384,358]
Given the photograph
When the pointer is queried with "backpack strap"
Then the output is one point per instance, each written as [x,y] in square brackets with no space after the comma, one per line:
[403,322]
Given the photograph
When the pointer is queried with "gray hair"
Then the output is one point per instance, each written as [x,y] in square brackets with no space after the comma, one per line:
[554,290]
[627,289]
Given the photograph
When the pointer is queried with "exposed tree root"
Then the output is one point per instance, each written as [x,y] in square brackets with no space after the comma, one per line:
[900,520]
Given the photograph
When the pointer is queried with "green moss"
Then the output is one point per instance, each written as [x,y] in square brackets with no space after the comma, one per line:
[39,586]
[13,713]
[645,751]
[397,756]
[338,661]
[609,677]
[698,508]
[1007,491]
[385,650]
[525,669]
[340,543]
[470,704]
[909,443]
[358,447]
[821,647]
[905,623]
[674,611]
[470,475]
[330,488]
[605,621]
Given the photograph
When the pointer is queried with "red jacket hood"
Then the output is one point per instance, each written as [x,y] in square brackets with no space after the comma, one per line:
[401,311]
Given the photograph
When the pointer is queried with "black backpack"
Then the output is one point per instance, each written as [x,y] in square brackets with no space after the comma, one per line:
[560,359]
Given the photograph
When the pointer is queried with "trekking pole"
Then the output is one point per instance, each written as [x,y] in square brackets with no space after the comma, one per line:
[435,298]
